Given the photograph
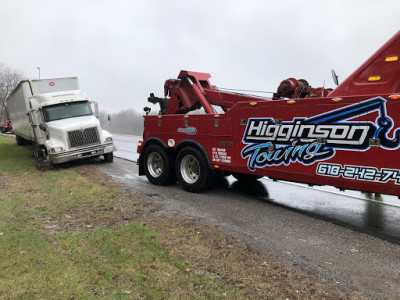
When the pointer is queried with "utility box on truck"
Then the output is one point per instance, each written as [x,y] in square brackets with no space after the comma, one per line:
[58,119]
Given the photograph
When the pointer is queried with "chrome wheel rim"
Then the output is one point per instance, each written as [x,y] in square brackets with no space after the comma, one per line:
[155,164]
[190,169]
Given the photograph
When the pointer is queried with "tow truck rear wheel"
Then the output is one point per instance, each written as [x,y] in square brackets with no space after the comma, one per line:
[157,166]
[192,170]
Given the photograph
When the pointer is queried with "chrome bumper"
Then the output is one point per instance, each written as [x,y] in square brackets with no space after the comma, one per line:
[96,150]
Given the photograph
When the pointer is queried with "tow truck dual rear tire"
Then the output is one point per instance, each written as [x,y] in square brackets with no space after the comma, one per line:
[192,170]
[158,166]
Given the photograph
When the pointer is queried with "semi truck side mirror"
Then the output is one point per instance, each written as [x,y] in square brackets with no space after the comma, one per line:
[109,117]
[43,126]
[96,108]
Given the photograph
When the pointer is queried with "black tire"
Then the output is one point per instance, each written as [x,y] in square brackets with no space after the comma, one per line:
[37,151]
[192,170]
[20,141]
[246,177]
[47,159]
[158,166]
[109,157]
[219,173]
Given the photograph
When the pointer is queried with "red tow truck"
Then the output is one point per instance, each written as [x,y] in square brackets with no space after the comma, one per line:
[348,137]
[6,126]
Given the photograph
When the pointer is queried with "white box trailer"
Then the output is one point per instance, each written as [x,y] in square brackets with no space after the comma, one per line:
[19,106]
[58,118]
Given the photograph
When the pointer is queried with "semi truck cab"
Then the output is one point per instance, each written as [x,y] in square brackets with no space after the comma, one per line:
[66,127]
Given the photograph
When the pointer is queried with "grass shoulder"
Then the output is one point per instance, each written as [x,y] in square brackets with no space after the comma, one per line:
[65,234]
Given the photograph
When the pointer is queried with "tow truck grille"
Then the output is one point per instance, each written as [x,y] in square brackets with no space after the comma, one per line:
[83,137]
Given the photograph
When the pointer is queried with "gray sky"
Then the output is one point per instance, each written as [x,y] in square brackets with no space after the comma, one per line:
[123,50]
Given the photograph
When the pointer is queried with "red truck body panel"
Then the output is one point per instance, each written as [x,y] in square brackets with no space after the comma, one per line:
[349,139]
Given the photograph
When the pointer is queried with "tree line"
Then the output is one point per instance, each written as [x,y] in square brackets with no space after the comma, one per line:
[9,79]
[124,122]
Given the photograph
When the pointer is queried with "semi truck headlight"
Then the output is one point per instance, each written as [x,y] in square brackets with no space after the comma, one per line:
[56,149]
[109,139]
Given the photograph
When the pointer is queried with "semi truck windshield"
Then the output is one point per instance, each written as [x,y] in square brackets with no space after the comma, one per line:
[66,110]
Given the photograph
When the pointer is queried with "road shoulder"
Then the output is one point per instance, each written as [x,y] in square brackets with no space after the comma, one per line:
[211,251]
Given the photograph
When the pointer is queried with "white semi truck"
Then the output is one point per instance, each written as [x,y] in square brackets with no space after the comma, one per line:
[58,119]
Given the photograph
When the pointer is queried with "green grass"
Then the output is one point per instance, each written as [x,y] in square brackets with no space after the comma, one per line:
[14,159]
[61,238]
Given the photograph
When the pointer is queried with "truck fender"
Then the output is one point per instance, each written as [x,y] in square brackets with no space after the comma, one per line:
[196,145]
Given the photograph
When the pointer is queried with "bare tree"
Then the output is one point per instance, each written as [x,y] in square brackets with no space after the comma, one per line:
[123,122]
[9,79]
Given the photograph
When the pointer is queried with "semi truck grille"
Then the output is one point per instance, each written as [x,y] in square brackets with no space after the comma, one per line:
[88,136]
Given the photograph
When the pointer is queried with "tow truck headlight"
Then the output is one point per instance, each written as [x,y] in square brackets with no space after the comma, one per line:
[109,140]
[56,149]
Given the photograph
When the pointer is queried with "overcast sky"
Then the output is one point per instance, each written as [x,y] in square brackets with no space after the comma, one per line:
[124,50]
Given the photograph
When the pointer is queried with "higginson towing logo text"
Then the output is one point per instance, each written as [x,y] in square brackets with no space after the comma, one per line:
[307,140]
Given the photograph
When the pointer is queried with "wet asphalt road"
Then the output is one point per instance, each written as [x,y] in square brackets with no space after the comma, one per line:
[375,214]
[301,227]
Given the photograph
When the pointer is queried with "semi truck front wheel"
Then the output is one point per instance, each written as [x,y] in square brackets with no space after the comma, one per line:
[109,157]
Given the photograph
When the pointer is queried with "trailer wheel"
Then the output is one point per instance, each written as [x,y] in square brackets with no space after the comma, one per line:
[246,177]
[109,157]
[20,141]
[157,166]
[192,171]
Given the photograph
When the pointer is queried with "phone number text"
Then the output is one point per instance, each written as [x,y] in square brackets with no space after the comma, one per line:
[360,173]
